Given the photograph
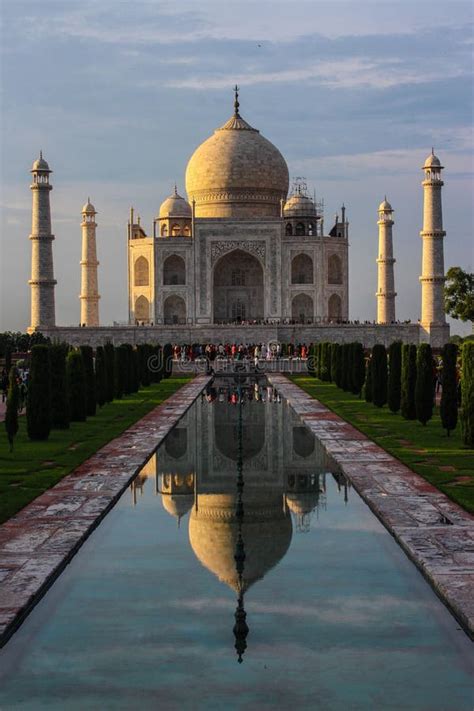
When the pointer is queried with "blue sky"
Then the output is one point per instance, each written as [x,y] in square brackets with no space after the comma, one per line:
[119,94]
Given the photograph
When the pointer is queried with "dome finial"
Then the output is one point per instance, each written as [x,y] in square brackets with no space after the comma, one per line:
[175,189]
[41,154]
[236,101]
[432,150]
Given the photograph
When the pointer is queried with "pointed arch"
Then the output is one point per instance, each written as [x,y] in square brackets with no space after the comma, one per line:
[142,309]
[334,269]
[142,272]
[302,269]
[335,308]
[174,270]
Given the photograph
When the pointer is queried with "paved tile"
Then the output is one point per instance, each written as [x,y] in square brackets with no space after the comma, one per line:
[37,543]
[436,533]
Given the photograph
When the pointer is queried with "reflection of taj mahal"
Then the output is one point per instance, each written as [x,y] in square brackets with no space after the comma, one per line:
[284,480]
[239,250]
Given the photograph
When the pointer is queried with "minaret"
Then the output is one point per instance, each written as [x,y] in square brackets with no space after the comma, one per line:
[432,271]
[386,281]
[89,286]
[42,280]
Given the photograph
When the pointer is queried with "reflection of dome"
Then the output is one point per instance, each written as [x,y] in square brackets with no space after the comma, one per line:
[299,206]
[175,206]
[177,505]
[432,161]
[237,173]
[213,530]
[303,502]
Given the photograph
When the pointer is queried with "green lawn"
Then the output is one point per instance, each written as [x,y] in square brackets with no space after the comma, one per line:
[34,467]
[442,460]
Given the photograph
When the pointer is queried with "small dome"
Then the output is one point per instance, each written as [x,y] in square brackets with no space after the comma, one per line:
[40,164]
[177,505]
[89,207]
[301,503]
[432,161]
[385,206]
[175,206]
[299,206]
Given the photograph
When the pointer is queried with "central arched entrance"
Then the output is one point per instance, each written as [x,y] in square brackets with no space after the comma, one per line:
[238,288]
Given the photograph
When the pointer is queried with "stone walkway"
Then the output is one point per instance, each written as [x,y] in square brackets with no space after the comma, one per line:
[37,543]
[436,533]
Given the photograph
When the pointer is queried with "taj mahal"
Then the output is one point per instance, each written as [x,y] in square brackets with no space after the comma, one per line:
[244,256]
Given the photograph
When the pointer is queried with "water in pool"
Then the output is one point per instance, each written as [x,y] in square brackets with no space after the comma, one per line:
[240,571]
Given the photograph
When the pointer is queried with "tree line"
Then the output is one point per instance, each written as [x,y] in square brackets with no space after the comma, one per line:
[68,384]
[403,378]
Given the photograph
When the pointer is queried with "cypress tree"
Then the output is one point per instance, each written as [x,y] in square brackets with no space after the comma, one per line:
[310,361]
[449,397]
[121,371]
[59,387]
[101,385]
[109,351]
[394,375]
[379,375]
[76,383]
[11,413]
[345,367]
[350,358]
[88,359]
[424,383]
[328,361]
[333,355]
[135,371]
[38,409]
[467,393]
[407,397]
[338,372]
[358,368]
[368,390]
[324,362]
[167,360]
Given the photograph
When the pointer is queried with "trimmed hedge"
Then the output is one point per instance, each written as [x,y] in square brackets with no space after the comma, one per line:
[467,394]
[424,393]
[408,382]
[59,387]
[76,381]
[448,409]
[394,376]
[379,375]
[38,409]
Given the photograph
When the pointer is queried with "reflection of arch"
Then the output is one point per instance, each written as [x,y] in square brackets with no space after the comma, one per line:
[302,270]
[334,269]
[174,309]
[176,442]
[175,231]
[335,307]
[238,287]
[302,308]
[174,270]
[142,272]
[226,431]
[289,229]
[164,231]
[299,229]
[303,442]
[142,309]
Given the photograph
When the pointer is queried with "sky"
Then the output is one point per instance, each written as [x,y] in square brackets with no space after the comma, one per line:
[118,95]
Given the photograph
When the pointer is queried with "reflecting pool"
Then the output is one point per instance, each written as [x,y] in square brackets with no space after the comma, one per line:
[240,571]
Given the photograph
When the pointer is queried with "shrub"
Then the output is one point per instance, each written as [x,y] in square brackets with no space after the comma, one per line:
[467,394]
[358,368]
[333,355]
[109,351]
[76,383]
[101,384]
[11,413]
[338,371]
[449,398]
[59,388]
[88,359]
[324,370]
[345,366]
[310,361]
[394,375]
[424,383]
[407,396]
[38,410]
[135,384]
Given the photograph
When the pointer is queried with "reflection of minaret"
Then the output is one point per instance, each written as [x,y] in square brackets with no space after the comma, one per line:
[241,629]
[42,280]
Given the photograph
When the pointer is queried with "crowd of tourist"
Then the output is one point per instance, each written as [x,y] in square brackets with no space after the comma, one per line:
[239,351]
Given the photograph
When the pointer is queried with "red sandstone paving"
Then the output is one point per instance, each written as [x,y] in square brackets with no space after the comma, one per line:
[436,533]
[37,542]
